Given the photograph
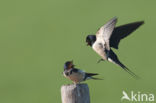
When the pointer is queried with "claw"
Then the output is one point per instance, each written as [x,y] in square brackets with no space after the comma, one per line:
[100,60]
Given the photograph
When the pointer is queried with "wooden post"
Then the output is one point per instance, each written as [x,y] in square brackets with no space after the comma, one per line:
[75,93]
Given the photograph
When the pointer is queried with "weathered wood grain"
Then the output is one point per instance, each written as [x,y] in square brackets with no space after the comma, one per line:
[75,93]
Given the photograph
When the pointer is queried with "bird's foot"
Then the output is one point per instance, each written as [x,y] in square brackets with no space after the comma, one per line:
[100,60]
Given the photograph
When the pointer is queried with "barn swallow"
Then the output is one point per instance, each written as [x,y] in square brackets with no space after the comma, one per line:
[76,75]
[109,36]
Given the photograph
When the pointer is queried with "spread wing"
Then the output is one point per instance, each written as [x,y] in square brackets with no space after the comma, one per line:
[104,33]
[122,32]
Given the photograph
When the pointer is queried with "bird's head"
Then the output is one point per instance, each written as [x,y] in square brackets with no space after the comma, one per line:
[90,39]
[68,65]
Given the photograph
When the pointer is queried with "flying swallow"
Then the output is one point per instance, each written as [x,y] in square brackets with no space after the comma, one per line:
[76,75]
[109,36]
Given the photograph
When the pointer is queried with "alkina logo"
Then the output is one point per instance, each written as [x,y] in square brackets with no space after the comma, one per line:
[138,96]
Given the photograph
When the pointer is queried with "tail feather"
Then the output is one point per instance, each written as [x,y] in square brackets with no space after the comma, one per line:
[128,70]
[89,76]
[114,59]
[96,78]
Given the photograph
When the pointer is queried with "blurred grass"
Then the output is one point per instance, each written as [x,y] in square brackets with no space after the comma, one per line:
[37,37]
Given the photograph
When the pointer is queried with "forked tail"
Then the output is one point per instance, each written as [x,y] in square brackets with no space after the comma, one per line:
[114,59]
[90,76]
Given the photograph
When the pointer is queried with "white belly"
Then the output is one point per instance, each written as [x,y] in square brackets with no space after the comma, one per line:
[76,77]
[100,50]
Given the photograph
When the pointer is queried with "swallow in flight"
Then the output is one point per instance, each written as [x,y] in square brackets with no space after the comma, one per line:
[109,36]
[76,75]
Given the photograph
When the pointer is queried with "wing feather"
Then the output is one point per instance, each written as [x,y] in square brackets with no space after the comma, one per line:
[105,32]
[123,31]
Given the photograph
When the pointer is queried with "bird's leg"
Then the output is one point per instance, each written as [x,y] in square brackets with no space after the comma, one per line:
[100,60]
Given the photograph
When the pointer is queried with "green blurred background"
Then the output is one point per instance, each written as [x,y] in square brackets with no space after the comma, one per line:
[38,36]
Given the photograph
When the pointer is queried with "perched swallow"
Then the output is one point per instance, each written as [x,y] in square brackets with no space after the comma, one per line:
[76,75]
[109,36]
